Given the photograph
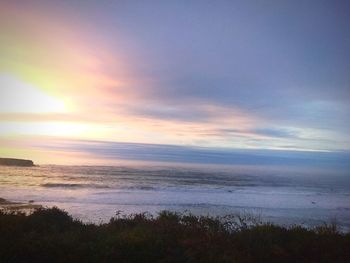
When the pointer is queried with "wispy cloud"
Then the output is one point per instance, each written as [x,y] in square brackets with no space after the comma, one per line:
[111,152]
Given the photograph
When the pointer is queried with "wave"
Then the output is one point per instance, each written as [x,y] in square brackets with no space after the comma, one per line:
[62,185]
[140,187]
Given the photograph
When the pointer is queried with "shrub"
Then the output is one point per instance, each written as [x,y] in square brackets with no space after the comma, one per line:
[52,235]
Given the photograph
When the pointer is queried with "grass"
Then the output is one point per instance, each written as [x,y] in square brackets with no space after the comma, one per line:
[52,235]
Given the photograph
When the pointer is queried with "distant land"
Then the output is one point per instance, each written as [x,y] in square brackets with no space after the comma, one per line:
[16,162]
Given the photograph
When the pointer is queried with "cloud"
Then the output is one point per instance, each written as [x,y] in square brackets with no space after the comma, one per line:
[109,151]
[229,74]
[279,133]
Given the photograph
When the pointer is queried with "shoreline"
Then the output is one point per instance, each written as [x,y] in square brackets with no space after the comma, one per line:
[103,216]
[6,205]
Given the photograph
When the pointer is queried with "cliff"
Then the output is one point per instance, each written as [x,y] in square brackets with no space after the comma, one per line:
[16,162]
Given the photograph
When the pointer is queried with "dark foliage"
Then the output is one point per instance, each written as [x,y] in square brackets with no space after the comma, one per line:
[51,235]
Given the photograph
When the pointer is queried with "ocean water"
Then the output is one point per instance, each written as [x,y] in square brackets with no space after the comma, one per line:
[95,193]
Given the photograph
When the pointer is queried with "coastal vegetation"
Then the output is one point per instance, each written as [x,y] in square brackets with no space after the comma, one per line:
[52,235]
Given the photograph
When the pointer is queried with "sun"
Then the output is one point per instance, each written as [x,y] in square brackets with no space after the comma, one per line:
[18,96]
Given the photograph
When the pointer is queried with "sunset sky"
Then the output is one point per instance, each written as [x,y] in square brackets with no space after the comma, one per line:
[81,80]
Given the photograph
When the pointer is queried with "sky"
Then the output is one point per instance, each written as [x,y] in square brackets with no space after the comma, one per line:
[81,80]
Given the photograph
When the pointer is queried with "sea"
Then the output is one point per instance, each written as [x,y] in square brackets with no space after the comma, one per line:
[280,195]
